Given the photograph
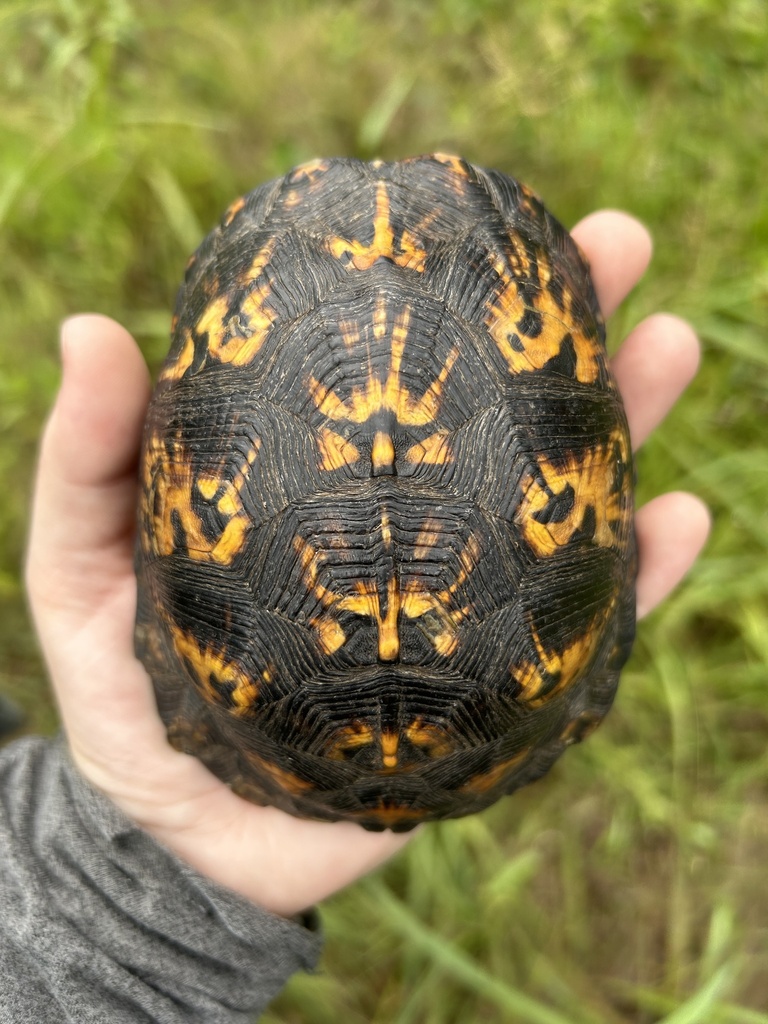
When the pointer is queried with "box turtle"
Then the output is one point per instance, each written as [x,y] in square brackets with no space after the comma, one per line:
[386,557]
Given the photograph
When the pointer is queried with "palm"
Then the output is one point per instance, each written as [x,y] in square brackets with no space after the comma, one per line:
[83,593]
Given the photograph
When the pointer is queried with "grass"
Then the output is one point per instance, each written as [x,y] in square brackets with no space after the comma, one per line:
[629,886]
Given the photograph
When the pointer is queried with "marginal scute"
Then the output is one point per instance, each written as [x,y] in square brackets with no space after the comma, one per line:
[385,548]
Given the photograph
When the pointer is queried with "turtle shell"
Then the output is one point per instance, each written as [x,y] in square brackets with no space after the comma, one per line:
[386,557]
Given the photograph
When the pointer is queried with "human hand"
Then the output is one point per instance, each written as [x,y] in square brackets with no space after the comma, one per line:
[83,595]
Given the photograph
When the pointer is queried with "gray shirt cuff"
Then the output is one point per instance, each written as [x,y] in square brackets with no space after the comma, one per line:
[100,923]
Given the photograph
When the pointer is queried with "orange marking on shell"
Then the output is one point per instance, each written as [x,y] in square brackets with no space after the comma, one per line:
[442,630]
[389,815]
[565,667]
[350,738]
[460,173]
[382,454]
[411,241]
[169,482]
[237,337]
[258,263]
[428,536]
[594,485]
[175,369]
[417,601]
[335,450]
[433,739]
[389,745]
[446,643]
[469,557]
[413,601]
[386,530]
[507,308]
[350,332]
[518,260]
[210,667]
[232,211]
[310,170]
[284,779]
[580,728]
[389,395]
[362,256]
[367,602]
[433,450]
[330,635]
[484,781]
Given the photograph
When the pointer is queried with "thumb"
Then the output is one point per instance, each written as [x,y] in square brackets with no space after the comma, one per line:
[84,506]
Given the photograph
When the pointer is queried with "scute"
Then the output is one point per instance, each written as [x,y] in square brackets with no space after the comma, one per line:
[386,558]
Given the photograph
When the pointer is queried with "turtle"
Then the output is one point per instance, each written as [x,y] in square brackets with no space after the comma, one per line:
[386,556]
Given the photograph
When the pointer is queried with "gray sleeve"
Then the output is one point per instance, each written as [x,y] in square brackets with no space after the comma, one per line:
[99,924]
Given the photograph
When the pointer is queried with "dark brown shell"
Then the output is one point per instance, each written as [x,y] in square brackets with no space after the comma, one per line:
[386,556]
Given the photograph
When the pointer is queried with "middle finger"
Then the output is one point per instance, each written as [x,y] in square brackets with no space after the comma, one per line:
[654,365]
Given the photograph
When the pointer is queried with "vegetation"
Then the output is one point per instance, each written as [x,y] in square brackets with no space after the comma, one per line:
[629,886]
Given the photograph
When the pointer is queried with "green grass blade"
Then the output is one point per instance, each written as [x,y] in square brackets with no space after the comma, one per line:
[728,1014]
[460,966]
[376,122]
[174,203]
[698,1008]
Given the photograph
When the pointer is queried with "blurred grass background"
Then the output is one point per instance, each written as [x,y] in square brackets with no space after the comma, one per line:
[630,885]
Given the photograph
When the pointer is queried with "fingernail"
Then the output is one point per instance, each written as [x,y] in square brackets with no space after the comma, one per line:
[67,330]
[70,331]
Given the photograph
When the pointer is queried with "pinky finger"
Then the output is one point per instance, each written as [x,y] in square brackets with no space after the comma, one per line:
[671,531]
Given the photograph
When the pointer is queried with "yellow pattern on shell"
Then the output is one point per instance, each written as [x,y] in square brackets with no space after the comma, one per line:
[594,485]
[175,369]
[565,666]
[382,453]
[508,307]
[367,602]
[232,210]
[350,332]
[418,601]
[350,738]
[433,740]
[335,450]
[310,171]
[237,338]
[389,744]
[413,601]
[485,781]
[386,529]
[459,176]
[389,395]
[433,450]
[212,667]
[281,777]
[169,484]
[428,536]
[409,253]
